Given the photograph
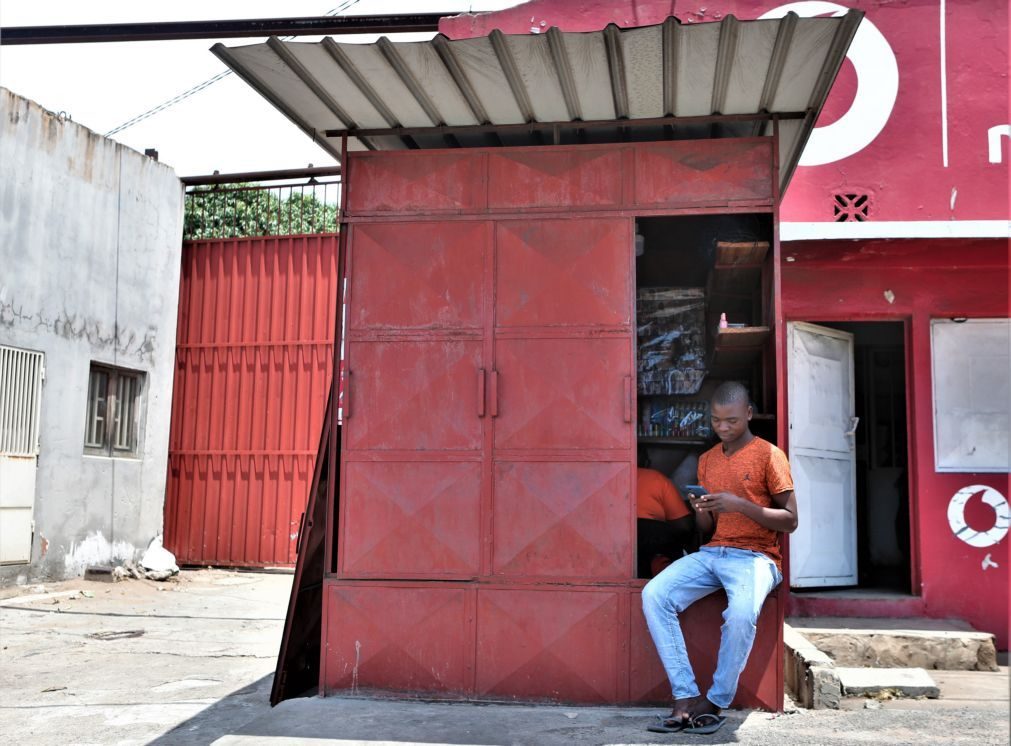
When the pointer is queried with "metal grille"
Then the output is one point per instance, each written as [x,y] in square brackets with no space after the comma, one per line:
[248,210]
[113,409]
[21,374]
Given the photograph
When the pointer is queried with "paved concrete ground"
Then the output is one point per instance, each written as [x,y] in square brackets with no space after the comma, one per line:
[190,663]
[138,659]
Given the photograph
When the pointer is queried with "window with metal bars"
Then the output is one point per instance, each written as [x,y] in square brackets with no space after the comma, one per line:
[113,417]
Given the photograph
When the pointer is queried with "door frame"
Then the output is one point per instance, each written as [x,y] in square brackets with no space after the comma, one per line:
[792,329]
[911,419]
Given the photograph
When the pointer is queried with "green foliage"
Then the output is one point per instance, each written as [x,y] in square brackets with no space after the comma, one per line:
[233,210]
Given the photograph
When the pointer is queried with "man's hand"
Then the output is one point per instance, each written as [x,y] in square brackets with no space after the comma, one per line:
[721,502]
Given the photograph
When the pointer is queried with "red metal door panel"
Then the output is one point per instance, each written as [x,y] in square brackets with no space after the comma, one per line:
[759,685]
[568,393]
[416,182]
[554,177]
[548,644]
[253,362]
[413,395]
[562,519]
[703,172]
[412,519]
[401,638]
[425,275]
[563,272]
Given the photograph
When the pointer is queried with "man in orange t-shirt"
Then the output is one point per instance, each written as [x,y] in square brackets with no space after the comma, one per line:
[665,525]
[749,500]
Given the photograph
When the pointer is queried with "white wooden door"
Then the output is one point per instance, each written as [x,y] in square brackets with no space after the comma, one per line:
[823,549]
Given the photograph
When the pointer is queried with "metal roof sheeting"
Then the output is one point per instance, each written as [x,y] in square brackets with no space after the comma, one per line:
[670,80]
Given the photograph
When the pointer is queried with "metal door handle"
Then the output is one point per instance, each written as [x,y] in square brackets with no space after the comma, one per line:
[493,394]
[481,394]
[628,398]
[854,421]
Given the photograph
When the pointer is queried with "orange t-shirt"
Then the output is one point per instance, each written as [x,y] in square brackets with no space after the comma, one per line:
[656,498]
[756,472]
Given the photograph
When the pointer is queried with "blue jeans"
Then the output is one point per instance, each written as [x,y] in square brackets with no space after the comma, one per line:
[747,577]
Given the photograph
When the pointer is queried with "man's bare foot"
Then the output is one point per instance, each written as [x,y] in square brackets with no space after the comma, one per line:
[683,710]
[702,706]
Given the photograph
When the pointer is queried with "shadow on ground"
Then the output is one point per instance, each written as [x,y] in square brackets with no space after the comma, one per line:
[223,717]
[348,719]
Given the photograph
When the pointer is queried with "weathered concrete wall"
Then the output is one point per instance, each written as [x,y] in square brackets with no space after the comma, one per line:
[90,244]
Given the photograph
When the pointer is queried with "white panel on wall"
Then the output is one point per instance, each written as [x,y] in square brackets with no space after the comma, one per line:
[21,375]
[971,363]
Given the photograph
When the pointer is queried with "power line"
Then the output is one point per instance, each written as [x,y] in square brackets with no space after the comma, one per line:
[348,4]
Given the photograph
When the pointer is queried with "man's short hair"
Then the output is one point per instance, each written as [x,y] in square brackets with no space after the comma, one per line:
[731,392]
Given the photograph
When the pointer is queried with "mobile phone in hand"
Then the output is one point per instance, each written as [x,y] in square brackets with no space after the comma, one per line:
[695,489]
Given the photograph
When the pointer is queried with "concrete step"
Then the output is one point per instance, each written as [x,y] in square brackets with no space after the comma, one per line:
[931,644]
[897,682]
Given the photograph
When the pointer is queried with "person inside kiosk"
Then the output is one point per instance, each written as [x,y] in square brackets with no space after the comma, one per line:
[665,526]
[744,500]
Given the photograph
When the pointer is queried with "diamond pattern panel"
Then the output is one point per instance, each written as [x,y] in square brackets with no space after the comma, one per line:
[562,393]
[418,275]
[550,644]
[554,177]
[413,518]
[570,272]
[709,172]
[407,639]
[414,395]
[700,624]
[416,182]
[563,519]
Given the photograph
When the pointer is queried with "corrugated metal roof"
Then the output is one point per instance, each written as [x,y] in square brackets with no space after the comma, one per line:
[670,80]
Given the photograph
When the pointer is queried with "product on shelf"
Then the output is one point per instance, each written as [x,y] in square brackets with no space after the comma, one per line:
[671,339]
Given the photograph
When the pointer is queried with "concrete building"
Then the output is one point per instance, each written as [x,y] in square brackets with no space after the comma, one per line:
[90,237]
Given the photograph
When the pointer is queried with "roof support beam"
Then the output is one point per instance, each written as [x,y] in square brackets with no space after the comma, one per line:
[549,126]
[410,82]
[725,54]
[616,66]
[773,76]
[340,57]
[671,40]
[303,74]
[563,70]
[223,29]
[512,74]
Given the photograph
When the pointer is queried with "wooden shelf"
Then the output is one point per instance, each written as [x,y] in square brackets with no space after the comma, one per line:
[672,441]
[736,348]
[738,269]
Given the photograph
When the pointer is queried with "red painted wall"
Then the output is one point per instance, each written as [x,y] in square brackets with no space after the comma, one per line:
[900,163]
[845,280]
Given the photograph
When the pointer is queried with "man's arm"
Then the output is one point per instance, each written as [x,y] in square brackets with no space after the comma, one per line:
[782,517]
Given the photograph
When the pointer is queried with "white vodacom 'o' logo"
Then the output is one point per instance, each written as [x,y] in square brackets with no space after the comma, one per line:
[877,87]
[962,530]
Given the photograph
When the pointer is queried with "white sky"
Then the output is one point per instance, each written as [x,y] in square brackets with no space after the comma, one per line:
[226,127]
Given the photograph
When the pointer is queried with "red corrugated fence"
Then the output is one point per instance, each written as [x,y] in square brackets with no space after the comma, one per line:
[254,358]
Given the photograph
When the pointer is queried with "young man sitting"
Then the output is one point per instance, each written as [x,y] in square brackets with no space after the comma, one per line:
[749,500]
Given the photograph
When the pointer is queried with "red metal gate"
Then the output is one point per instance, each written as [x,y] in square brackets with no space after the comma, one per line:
[254,358]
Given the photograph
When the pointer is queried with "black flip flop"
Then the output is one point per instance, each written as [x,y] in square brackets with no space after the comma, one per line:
[667,725]
[705,724]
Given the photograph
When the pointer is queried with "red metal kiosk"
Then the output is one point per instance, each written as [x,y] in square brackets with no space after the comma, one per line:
[471,527]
